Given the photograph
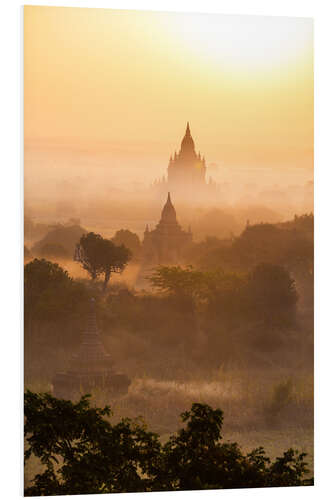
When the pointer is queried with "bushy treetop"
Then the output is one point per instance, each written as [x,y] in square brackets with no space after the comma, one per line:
[98,255]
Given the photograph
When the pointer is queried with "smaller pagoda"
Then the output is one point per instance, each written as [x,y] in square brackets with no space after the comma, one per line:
[166,243]
[91,367]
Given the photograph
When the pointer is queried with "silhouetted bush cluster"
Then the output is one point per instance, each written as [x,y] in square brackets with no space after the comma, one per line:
[64,236]
[82,452]
[289,244]
[51,296]
[130,240]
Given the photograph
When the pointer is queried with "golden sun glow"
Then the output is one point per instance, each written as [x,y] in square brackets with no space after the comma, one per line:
[127,81]
[244,43]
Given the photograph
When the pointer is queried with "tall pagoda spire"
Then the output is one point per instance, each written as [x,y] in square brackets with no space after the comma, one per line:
[169,212]
[187,145]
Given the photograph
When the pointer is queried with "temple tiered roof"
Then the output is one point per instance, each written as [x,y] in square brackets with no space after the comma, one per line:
[165,243]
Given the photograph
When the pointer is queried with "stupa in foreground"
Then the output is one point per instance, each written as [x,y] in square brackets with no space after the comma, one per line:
[90,368]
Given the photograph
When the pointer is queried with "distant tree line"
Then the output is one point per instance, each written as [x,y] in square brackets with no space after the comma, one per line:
[289,244]
[266,293]
[59,241]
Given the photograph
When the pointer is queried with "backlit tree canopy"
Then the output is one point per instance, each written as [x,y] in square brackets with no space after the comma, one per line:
[101,256]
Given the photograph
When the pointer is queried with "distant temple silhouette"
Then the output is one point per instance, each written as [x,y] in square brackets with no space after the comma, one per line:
[187,167]
[186,171]
[165,243]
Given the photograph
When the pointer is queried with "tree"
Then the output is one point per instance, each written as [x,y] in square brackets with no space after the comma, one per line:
[115,259]
[89,253]
[186,285]
[257,243]
[64,235]
[100,256]
[129,240]
[49,291]
[176,280]
[215,289]
[272,292]
[225,291]
[196,458]
[82,452]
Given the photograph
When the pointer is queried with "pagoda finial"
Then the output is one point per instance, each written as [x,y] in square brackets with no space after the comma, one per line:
[187,144]
[169,212]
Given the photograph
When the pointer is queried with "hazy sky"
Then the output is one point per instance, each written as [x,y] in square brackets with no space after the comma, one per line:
[122,85]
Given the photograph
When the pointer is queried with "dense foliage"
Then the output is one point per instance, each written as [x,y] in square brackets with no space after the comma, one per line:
[49,292]
[82,452]
[266,293]
[65,235]
[289,244]
[130,240]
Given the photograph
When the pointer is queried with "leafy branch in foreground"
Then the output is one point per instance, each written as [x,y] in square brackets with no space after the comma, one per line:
[82,452]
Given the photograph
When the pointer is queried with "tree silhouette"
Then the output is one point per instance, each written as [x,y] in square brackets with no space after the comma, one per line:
[101,256]
[82,452]
[65,235]
[50,293]
[272,292]
[129,239]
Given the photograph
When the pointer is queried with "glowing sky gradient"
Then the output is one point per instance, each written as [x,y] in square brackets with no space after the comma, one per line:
[124,84]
